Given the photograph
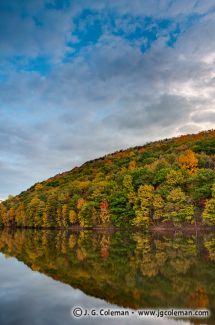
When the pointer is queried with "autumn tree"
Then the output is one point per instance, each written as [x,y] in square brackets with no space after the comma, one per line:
[174,178]
[158,205]
[143,207]
[188,161]
[104,213]
[38,187]
[73,216]
[208,215]
[11,217]
[45,219]
[127,183]
[20,215]
[50,211]
[132,165]
[178,209]
[85,215]
[80,203]
[38,221]
[3,215]
[65,215]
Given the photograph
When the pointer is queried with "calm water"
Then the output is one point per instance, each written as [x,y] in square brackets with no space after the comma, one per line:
[45,274]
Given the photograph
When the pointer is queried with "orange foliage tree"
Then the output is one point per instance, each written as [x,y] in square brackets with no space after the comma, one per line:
[104,212]
[188,161]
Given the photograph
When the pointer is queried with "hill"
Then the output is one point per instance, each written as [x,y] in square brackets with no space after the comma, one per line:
[170,182]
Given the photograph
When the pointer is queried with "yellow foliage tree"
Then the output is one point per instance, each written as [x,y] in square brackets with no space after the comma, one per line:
[208,215]
[45,219]
[158,204]
[143,206]
[38,187]
[3,215]
[72,216]
[20,216]
[174,177]
[65,215]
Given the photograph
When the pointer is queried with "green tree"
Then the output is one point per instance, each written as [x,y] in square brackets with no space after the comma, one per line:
[85,214]
[178,208]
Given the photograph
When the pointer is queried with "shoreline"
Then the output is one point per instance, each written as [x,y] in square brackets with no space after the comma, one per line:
[154,228]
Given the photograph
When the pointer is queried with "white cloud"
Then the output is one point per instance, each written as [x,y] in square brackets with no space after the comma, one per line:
[110,96]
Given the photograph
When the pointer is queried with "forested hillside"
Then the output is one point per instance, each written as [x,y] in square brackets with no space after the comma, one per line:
[168,182]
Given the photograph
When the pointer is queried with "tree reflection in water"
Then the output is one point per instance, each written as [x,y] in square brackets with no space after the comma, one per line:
[129,269]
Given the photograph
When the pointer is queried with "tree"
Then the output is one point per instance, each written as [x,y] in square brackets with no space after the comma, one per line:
[208,215]
[188,161]
[132,165]
[38,187]
[45,219]
[65,215]
[121,209]
[127,183]
[202,183]
[3,215]
[38,221]
[80,203]
[143,207]
[11,217]
[85,215]
[174,177]
[158,204]
[50,212]
[178,209]
[73,216]
[20,216]
[104,212]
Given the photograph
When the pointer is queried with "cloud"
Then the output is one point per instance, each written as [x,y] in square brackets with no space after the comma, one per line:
[207,116]
[28,29]
[167,111]
[109,93]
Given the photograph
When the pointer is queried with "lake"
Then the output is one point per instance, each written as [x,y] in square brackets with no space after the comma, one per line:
[44,275]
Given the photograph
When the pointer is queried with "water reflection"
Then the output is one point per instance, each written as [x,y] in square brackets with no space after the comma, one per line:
[131,270]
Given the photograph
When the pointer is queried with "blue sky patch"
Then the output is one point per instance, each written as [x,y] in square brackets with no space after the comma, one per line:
[58,4]
[40,64]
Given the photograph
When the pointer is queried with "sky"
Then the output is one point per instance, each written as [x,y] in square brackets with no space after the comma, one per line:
[83,78]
